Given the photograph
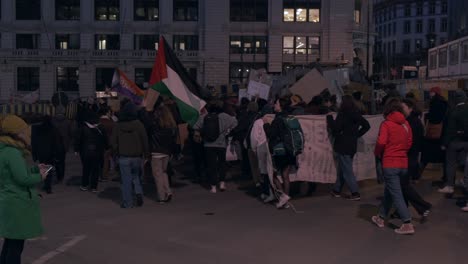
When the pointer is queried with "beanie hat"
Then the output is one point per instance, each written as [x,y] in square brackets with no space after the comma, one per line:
[436,90]
[460,96]
[12,124]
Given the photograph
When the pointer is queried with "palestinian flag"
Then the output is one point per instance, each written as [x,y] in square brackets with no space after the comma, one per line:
[170,78]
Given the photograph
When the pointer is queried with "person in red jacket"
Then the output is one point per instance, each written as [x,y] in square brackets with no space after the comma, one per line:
[394,141]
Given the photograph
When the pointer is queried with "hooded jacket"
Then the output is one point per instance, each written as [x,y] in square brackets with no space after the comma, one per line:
[394,141]
[346,129]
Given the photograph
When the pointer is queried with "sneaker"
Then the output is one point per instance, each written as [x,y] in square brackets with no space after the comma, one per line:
[222,186]
[465,208]
[94,190]
[354,197]
[282,201]
[139,200]
[269,199]
[405,229]
[83,188]
[168,198]
[335,194]
[213,189]
[378,221]
[447,190]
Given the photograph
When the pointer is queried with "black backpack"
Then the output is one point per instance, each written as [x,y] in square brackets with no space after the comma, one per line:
[210,130]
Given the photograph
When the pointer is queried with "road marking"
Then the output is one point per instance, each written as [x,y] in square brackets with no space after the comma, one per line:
[63,248]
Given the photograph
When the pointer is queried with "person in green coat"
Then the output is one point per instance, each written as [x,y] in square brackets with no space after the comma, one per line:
[20,217]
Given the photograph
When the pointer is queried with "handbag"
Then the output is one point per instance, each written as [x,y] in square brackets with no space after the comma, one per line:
[233,151]
[433,131]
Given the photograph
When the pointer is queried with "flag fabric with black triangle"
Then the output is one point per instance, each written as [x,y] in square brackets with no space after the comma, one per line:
[170,78]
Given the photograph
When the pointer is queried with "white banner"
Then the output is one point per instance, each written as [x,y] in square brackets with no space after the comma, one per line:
[317,164]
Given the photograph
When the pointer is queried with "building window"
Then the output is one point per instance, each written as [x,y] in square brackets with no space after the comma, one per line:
[27,79]
[239,71]
[301,11]
[146,10]
[28,9]
[248,45]
[301,45]
[419,26]
[357,11]
[443,25]
[419,8]
[418,45]
[453,54]
[185,42]
[146,42]
[27,41]
[407,28]
[394,47]
[67,9]
[406,46]
[433,60]
[384,31]
[465,51]
[67,79]
[432,8]
[107,42]
[431,25]
[443,58]
[104,78]
[107,10]
[407,10]
[444,7]
[185,10]
[142,77]
[394,28]
[249,10]
[67,41]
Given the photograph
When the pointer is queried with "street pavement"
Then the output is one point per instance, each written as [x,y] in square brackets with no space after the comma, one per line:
[234,227]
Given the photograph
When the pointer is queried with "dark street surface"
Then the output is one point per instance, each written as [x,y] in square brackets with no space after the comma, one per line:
[234,227]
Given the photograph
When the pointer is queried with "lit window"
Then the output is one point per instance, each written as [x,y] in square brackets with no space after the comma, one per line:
[146,10]
[288,15]
[301,45]
[301,11]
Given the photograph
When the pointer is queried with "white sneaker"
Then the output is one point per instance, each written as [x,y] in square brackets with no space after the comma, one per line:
[213,189]
[222,186]
[269,199]
[282,201]
[447,189]
[465,209]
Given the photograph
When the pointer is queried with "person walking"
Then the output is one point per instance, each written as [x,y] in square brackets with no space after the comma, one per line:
[20,216]
[163,147]
[64,127]
[214,127]
[393,143]
[455,142]
[346,129]
[130,143]
[91,143]
[47,147]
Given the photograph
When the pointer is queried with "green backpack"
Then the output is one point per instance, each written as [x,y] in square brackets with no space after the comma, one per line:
[292,142]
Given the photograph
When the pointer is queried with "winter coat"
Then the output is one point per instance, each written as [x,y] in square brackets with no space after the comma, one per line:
[129,139]
[417,129]
[437,110]
[239,133]
[20,216]
[275,130]
[457,120]
[226,124]
[46,143]
[394,141]
[162,140]
[91,140]
[346,129]
[64,127]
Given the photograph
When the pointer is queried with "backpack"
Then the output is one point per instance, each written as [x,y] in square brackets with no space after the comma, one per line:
[210,130]
[293,140]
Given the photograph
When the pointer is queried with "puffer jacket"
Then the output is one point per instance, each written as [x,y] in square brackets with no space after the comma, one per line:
[394,141]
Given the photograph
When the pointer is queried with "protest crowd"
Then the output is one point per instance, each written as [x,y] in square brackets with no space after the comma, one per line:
[265,136]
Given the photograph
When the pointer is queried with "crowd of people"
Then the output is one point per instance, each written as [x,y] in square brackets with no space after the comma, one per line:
[140,143]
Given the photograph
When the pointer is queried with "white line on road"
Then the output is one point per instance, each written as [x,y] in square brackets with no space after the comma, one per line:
[63,248]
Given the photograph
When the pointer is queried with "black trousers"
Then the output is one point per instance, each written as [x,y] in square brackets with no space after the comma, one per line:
[245,162]
[198,153]
[91,171]
[60,167]
[414,168]
[11,251]
[412,196]
[216,161]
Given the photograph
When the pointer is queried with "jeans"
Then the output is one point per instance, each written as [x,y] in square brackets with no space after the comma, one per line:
[216,162]
[11,251]
[393,194]
[159,164]
[454,148]
[345,174]
[411,195]
[130,171]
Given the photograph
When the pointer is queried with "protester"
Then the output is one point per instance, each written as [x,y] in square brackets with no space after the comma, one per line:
[393,144]
[358,101]
[313,108]
[20,216]
[130,143]
[432,149]
[455,141]
[107,125]
[346,129]
[214,128]
[64,127]
[47,147]
[297,105]
[413,116]
[163,146]
[91,143]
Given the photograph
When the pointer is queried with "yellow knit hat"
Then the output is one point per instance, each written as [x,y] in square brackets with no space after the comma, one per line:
[11,124]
